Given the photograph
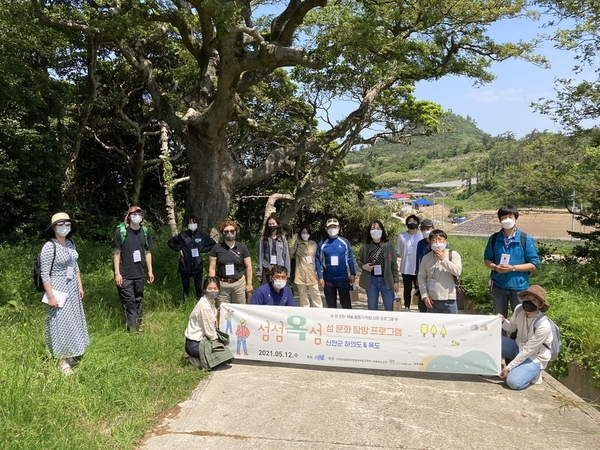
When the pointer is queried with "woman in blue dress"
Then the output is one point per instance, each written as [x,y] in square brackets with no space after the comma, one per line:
[66,328]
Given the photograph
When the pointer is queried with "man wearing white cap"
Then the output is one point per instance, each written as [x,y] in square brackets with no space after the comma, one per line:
[335,266]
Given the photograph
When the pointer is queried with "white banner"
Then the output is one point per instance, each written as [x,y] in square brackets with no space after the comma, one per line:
[447,343]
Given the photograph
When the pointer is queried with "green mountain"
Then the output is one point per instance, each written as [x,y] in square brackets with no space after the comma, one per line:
[457,136]
[447,155]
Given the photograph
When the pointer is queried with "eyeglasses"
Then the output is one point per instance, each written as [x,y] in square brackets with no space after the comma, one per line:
[231,230]
[60,224]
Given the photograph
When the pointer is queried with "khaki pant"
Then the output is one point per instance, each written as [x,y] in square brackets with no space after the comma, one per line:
[233,292]
[313,290]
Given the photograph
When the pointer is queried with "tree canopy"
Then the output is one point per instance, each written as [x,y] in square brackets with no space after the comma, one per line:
[248,89]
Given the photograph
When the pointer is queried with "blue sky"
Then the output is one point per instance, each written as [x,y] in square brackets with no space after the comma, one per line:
[504,104]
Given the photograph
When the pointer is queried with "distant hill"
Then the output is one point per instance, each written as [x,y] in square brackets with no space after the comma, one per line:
[457,136]
[447,155]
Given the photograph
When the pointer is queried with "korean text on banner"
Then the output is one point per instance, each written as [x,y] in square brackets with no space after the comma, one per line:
[446,343]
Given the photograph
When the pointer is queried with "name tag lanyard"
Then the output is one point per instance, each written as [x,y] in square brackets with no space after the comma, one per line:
[229,269]
[71,268]
[137,255]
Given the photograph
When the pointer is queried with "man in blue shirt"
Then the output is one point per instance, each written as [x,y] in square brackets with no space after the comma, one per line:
[335,266]
[510,254]
[276,292]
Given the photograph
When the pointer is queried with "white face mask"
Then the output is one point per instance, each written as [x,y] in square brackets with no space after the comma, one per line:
[333,232]
[305,237]
[438,246]
[63,230]
[136,218]
[508,223]
[279,284]
[376,234]
[192,226]
[426,233]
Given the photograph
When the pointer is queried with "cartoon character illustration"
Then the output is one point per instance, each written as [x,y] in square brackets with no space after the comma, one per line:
[228,327]
[483,328]
[455,344]
[474,327]
[242,332]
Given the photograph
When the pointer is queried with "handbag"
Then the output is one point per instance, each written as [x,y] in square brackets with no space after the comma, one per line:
[461,291]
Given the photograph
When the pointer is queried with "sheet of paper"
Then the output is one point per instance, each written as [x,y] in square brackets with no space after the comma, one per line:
[61,298]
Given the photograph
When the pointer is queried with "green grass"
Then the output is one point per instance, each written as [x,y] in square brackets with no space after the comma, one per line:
[122,384]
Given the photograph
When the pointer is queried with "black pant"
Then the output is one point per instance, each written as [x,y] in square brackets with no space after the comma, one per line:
[185,281]
[332,288]
[409,284]
[131,294]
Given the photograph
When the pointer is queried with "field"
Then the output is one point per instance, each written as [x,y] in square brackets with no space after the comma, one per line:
[539,223]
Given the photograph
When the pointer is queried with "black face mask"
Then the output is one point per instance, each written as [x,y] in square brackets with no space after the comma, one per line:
[272,228]
[412,226]
[529,306]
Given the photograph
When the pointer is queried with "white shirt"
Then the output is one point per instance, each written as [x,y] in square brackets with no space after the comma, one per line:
[407,250]
[202,321]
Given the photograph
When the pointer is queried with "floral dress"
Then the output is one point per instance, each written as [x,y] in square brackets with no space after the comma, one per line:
[66,328]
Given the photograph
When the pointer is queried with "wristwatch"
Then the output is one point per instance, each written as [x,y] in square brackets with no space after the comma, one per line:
[513,268]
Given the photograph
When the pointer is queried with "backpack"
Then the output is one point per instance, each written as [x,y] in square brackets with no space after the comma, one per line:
[555,345]
[122,229]
[523,239]
[37,269]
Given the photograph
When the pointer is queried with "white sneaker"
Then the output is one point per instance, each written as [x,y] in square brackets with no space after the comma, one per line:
[406,309]
[537,379]
[66,369]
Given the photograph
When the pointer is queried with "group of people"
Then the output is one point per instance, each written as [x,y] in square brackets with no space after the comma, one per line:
[427,266]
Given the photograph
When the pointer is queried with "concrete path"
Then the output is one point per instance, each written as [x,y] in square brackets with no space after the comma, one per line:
[253,405]
[257,405]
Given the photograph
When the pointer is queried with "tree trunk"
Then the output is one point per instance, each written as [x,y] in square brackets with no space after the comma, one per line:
[270,206]
[169,184]
[213,178]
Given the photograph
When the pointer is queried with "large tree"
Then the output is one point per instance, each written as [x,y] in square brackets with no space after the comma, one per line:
[200,59]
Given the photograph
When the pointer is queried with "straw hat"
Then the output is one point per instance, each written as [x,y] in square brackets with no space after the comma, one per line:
[61,217]
[539,293]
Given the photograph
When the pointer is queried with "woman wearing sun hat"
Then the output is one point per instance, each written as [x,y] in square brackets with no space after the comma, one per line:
[530,351]
[66,328]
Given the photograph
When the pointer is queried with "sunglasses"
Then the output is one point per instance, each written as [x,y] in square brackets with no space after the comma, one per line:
[229,231]
[60,224]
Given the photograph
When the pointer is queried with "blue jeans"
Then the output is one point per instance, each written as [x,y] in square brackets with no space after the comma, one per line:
[378,287]
[443,307]
[502,297]
[241,342]
[522,375]
[333,288]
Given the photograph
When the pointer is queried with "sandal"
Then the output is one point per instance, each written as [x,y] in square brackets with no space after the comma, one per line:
[66,369]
